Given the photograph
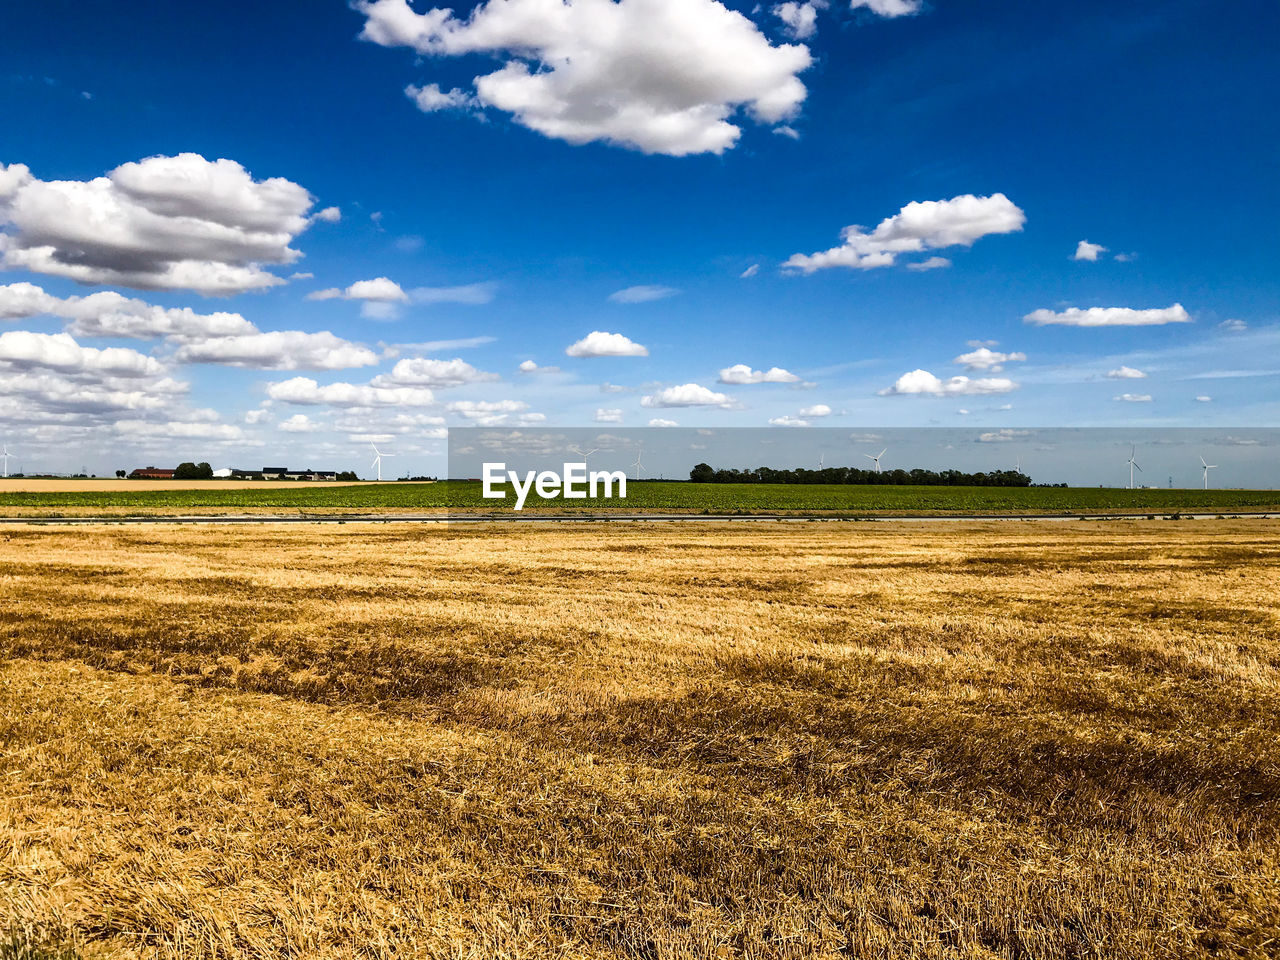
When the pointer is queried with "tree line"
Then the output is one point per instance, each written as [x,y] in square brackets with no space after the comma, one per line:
[705,473]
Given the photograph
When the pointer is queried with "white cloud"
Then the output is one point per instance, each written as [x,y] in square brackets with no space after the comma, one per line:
[108,314]
[1003,436]
[431,98]
[987,359]
[643,294]
[600,344]
[143,430]
[529,366]
[328,215]
[1204,399]
[933,263]
[687,395]
[1134,398]
[303,391]
[256,416]
[429,372]
[924,383]
[298,423]
[660,76]
[491,413]
[179,222]
[1088,251]
[608,415]
[815,411]
[279,350]
[788,422]
[1233,326]
[660,422]
[919,226]
[380,289]
[741,374]
[801,19]
[1125,373]
[889,8]
[750,272]
[23,350]
[1109,317]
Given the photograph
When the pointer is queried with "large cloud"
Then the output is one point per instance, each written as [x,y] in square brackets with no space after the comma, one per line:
[23,350]
[924,383]
[429,372]
[687,395]
[984,358]
[303,391]
[280,350]
[1109,317]
[917,227]
[109,314]
[661,76]
[741,373]
[179,222]
[598,343]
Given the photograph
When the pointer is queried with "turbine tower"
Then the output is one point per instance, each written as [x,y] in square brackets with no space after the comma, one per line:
[638,465]
[1133,464]
[6,460]
[1207,468]
[377,458]
[876,458]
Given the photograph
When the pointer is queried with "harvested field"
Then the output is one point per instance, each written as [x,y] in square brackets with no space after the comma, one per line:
[782,740]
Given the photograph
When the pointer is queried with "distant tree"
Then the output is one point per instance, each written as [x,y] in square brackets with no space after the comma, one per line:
[193,471]
[347,475]
[702,473]
[121,474]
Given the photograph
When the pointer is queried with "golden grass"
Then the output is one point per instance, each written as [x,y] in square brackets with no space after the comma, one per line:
[765,740]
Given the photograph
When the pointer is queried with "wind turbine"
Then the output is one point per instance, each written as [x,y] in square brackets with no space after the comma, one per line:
[876,458]
[1207,468]
[6,460]
[578,450]
[1018,464]
[1133,464]
[377,458]
[638,465]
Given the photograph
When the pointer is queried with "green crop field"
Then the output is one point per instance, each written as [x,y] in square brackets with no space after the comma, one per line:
[643,496]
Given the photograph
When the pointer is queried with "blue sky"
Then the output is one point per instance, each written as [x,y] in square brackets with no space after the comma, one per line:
[548,157]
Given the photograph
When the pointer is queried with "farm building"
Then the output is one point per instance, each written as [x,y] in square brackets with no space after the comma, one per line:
[151,473]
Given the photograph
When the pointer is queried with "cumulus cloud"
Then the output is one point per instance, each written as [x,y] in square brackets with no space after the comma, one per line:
[816,411]
[164,223]
[741,374]
[924,383]
[786,421]
[491,413]
[109,314]
[800,19]
[1088,251]
[23,350]
[687,395]
[298,423]
[1108,317]
[1133,398]
[917,227]
[644,293]
[529,366]
[379,288]
[660,422]
[144,430]
[429,372]
[431,98]
[600,344]
[1125,373]
[303,391]
[660,76]
[986,359]
[608,415]
[279,350]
